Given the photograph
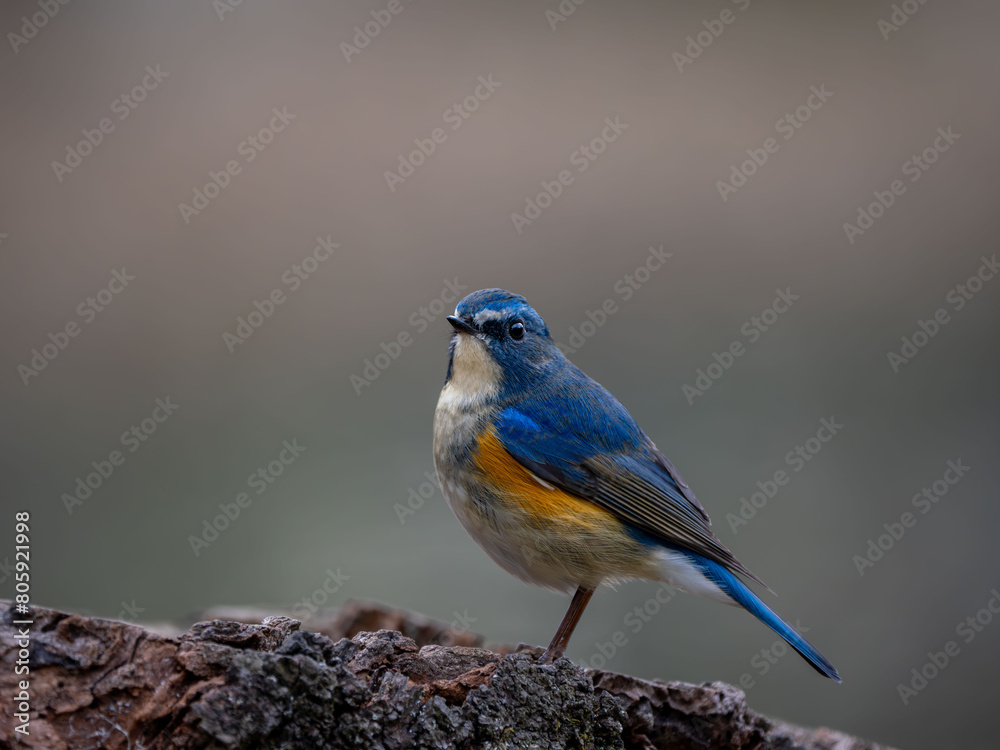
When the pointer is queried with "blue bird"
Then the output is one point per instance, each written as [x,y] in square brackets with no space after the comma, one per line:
[554,479]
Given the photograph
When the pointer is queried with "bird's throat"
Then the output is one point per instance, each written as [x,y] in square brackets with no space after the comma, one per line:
[475,377]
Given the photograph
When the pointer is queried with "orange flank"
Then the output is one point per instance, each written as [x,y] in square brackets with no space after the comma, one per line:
[538,499]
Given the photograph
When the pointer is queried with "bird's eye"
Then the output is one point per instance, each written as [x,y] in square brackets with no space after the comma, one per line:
[517,330]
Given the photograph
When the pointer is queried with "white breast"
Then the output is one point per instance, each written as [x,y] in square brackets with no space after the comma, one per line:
[475,377]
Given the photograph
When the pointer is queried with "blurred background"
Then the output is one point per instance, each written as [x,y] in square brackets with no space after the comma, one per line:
[319,111]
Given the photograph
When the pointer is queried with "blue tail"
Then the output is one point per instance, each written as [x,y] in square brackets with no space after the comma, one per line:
[736,589]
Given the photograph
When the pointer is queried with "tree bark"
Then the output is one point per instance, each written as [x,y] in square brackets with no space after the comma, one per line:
[362,677]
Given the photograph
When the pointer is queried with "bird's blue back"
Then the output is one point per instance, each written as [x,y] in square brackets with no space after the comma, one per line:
[569,431]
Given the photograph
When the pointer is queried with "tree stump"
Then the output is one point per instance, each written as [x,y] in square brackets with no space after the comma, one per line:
[362,677]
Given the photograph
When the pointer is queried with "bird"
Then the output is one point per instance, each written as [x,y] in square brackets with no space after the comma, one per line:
[556,482]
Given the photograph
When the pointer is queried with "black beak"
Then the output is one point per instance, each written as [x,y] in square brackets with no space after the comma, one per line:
[462,326]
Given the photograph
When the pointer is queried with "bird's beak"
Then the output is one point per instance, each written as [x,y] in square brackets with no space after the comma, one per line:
[462,326]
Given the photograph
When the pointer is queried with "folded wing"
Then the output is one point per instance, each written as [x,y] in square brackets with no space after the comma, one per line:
[612,463]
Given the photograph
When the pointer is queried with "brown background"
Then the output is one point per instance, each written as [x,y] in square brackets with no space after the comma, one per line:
[324,175]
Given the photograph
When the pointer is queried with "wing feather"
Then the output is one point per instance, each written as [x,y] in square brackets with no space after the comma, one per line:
[617,468]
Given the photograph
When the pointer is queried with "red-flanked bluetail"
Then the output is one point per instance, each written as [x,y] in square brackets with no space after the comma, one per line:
[558,484]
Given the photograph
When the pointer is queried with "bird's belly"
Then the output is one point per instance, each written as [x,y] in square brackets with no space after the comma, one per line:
[532,530]
[557,551]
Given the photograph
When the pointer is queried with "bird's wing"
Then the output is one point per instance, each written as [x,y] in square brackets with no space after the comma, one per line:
[610,462]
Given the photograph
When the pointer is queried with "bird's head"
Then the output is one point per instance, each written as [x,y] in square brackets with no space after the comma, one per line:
[498,341]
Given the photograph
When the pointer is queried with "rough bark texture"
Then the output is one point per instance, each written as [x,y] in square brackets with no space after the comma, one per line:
[363,677]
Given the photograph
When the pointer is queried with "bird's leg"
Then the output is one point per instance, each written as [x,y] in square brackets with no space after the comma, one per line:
[568,624]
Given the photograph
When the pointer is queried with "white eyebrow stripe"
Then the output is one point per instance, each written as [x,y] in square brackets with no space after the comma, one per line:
[484,315]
